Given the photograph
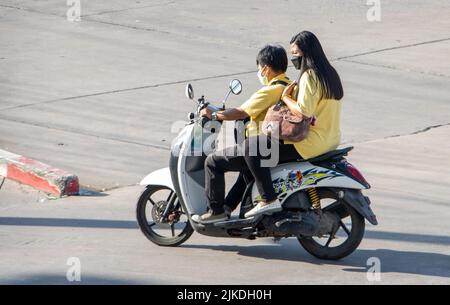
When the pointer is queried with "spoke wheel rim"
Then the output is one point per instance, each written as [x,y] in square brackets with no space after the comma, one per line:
[166,230]
[342,234]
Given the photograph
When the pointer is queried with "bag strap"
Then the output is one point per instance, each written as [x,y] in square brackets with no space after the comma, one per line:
[279,82]
[295,95]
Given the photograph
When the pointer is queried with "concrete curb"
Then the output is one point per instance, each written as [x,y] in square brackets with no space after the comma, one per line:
[38,175]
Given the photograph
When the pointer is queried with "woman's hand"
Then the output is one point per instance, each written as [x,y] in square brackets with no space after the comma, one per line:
[288,90]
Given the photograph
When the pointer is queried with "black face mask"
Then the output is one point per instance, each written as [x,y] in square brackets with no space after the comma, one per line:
[297,61]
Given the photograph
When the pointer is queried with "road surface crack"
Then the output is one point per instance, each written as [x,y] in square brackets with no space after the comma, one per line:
[395,68]
[393,48]
[84,133]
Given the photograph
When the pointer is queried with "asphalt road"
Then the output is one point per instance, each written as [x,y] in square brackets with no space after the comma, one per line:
[412,243]
[98,98]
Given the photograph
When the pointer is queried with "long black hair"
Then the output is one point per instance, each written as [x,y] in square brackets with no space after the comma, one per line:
[314,58]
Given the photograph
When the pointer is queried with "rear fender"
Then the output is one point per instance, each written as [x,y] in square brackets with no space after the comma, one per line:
[360,203]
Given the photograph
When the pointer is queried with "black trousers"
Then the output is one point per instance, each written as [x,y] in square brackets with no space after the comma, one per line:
[247,159]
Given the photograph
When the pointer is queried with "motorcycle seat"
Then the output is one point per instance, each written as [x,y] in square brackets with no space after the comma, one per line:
[334,154]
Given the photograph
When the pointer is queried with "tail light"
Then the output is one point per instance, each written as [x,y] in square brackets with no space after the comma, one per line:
[355,174]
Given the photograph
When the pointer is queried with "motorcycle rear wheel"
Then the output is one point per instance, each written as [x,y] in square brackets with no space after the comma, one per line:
[354,234]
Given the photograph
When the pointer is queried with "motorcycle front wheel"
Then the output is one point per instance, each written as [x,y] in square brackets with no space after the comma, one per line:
[161,217]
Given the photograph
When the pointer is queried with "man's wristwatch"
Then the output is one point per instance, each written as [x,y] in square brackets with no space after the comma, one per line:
[214,116]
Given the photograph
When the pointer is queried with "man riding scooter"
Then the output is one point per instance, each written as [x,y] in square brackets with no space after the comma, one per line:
[272,63]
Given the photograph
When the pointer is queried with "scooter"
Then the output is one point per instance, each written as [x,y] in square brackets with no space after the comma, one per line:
[322,200]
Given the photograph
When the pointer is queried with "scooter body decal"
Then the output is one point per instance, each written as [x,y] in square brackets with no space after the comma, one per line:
[292,181]
[296,179]
[292,177]
[315,175]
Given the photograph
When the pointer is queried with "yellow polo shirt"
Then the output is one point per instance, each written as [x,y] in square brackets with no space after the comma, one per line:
[257,105]
[325,135]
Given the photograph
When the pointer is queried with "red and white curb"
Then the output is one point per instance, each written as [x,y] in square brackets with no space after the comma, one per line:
[38,175]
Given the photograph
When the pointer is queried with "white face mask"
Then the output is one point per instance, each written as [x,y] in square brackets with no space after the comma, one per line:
[262,79]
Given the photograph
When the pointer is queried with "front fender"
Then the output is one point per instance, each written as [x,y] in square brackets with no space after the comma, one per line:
[158,177]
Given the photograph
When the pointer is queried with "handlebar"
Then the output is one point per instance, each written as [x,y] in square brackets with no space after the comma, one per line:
[195,115]
[202,104]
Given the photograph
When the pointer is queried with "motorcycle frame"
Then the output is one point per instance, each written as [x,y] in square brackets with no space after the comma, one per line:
[185,176]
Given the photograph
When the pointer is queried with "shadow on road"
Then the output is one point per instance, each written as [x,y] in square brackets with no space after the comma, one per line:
[53,279]
[127,224]
[409,237]
[91,193]
[420,263]
[68,222]
[407,262]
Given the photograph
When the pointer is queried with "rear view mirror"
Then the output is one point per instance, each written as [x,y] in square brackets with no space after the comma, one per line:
[189,92]
[236,86]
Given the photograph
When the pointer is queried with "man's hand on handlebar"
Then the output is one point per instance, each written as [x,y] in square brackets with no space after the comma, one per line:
[206,112]
[225,115]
